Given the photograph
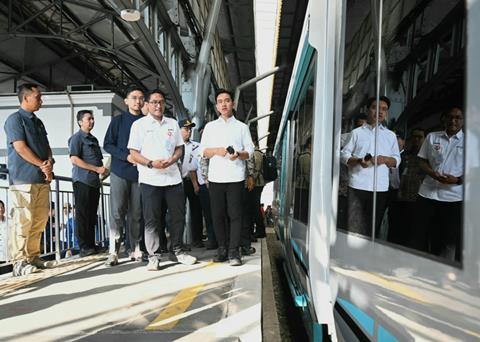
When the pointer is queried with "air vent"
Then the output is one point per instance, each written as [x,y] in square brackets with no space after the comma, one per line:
[80,87]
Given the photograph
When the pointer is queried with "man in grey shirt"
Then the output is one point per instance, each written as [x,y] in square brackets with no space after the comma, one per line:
[30,165]
[86,157]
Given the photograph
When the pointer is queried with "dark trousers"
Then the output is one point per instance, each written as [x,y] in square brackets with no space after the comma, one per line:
[360,211]
[204,196]
[226,200]
[86,205]
[437,228]
[152,197]
[196,220]
[252,218]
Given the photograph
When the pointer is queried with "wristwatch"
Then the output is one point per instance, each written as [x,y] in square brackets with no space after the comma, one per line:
[150,164]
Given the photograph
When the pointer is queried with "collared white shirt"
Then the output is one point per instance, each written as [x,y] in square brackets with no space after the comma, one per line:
[191,148]
[156,140]
[362,142]
[221,133]
[197,168]
[445,155]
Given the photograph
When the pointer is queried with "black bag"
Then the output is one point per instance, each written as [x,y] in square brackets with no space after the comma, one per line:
[269,168]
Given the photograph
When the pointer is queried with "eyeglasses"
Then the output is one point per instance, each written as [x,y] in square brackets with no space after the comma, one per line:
[156,103]
[134,98]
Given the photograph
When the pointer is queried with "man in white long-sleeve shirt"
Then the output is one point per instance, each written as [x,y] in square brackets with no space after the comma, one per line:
[227,143]
[361,157]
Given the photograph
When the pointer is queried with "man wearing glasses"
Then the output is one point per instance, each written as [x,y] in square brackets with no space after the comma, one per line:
[156,145]
[124,190]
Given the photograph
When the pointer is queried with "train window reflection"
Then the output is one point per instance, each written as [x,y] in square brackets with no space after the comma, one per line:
[422,74]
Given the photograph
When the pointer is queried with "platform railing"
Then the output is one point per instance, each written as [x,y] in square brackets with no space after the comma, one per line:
[59,238]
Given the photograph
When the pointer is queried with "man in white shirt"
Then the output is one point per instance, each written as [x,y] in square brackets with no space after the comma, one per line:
[156,145]
[371,150]
[437,227]
[191,149]
[227,143]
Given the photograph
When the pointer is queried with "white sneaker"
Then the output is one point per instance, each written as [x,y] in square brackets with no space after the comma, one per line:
[112,260]
[153,263]
[41,263]
[183,258]
[22,268]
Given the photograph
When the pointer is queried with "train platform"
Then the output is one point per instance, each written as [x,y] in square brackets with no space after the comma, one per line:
[82,300]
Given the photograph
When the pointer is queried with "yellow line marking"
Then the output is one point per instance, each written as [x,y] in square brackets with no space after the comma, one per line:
[177,306]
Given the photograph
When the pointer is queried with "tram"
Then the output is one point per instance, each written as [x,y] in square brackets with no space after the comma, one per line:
[422,55]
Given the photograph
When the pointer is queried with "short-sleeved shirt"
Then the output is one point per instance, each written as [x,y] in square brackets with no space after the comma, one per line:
[445,155]
[361,142]
[85,146]
[25,126]
[191,149]
[156,139]
[224,133]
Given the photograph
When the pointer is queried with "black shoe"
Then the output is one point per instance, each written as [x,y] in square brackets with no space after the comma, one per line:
[247,250]
[211,246]
[253,238]
[84,252]
[236,261]
[221,255]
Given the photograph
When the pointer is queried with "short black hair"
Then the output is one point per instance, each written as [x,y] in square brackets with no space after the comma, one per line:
[381,98]
[2,203]
[450,109]
[81,114]
[24,89]
[132,89]
[417,129]
[223,91]
[156,91]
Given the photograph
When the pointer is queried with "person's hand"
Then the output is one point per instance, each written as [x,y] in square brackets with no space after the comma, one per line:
[164,163]
[448,179]
[365,163]
[131,160]
[233,156]
[196,188]
[47,166]
[100,170]
[48,177]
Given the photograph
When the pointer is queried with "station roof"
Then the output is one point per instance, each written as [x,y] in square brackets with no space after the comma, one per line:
[71,42]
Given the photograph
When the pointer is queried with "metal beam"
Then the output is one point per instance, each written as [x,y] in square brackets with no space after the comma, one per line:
[152,50]
[252,81]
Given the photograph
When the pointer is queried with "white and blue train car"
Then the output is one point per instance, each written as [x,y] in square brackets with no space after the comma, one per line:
[380,285]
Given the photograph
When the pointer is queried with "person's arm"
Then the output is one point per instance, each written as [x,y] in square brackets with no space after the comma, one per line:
[26,153]
[111,140]
[177,154]
[77,161]
[248,146]
[209,152]
[193,178]
[346,154]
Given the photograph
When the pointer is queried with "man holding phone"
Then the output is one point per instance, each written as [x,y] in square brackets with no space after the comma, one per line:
[364,166]
[227,143]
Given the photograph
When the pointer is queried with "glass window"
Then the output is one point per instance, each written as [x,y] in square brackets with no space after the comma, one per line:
[401,170]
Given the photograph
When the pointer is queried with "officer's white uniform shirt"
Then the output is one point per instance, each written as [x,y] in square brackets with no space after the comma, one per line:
[224,133]
[197,168]
[362,142]
[156,140]
[445,155]
[191,148]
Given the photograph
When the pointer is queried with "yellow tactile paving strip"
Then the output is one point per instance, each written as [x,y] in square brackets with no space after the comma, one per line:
[14,283]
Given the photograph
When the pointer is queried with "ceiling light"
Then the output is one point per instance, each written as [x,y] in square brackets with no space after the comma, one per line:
[130,14]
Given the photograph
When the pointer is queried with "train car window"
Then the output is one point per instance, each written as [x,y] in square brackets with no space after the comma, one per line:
[303,155]
[416,204]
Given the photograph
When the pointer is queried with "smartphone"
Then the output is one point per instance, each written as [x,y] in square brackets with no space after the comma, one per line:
[231,150]
[367,157]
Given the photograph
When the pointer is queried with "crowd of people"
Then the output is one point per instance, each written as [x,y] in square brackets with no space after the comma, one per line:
[419,181]
[155,167]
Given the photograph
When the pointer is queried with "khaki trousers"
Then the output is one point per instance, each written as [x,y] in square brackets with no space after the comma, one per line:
[30,214]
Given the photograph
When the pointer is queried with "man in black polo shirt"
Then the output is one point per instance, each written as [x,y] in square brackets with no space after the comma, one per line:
[86,157]
[30,165]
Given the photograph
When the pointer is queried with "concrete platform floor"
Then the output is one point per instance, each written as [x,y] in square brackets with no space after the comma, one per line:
[82,300]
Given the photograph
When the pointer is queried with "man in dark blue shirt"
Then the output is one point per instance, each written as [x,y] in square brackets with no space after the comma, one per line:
[124,190]
[86,157]
[30,165]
